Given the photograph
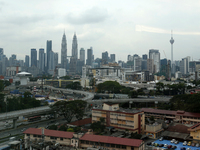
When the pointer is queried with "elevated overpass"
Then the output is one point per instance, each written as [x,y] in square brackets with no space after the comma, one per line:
[14,115]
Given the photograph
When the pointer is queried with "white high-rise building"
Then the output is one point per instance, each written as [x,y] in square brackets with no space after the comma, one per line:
[155,56]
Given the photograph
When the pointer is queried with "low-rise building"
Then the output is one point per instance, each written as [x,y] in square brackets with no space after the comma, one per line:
[126,119]
[176,116]
[195,131]
[153,130]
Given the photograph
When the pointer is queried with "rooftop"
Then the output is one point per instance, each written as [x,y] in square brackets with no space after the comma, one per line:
[54,133]
[171,112]
[112,140]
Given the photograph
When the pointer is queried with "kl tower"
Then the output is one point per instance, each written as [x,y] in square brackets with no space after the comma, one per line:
[172,63]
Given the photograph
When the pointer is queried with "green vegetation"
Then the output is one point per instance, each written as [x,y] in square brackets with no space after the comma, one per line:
[186,102]
[74,86]
[65,77]
[70,109]
[98,126]
[18,103]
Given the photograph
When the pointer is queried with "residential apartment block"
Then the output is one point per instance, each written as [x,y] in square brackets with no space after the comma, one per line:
[133,120]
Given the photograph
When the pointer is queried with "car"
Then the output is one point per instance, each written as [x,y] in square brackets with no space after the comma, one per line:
[185,143]
[22,130]
[149,143]
[182,148]
[161,139]
[46,127]
[161,145]
[189,143]
[197,145]
[176,142]
[156,145]
[173,140]
[174,147]
[152,143]
[188,148]
[169,146]
[165,145]
[193,144]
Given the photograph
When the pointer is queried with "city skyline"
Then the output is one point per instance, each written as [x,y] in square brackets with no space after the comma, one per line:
[122,27]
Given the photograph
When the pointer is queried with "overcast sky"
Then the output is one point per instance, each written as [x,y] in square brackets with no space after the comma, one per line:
[120,27]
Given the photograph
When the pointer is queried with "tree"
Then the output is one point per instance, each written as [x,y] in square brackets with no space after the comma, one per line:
[98,126]
[133,94]
[70,130]
[152,118]
[53,127]
[1,85]
[62,128]
[74,86]
[70,109]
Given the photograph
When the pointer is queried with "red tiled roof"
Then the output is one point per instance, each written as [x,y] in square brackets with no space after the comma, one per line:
[82,122]
[112,140]
[194,127]
[54,133]
[171,112]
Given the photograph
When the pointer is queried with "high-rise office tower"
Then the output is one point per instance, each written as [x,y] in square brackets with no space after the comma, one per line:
[26,61]
[105,57]
[55,60]
[137,63]
[64,52]
[48,49]
[41,59]
[1,53]
[89,56]
[51,61]
[144,56]
[33,57]
[155,56]
[112,57]
[82,55]
[75,47]
[14,56]
[172,61]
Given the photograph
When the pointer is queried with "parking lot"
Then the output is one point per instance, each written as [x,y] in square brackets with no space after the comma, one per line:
[179,146]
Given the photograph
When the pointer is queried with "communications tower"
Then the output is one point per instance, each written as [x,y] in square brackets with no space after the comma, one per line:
[172,62]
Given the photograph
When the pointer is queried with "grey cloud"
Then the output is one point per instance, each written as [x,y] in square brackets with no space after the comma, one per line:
[20,20]
[90,16]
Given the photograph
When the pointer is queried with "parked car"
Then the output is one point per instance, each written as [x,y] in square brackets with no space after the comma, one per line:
[161,139]
[152,143]
[176,142]
[22,130]
[193,144]
[188,148]
[197,145]
[165,145]
[169,146]
[189,143]
[174,147]
[47,127]
[161,145]
[185,143]
[182,148]
[156,145]
[149,143]
[173,140]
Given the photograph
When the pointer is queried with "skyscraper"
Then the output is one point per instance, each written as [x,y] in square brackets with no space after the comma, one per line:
[49,48]
[112,57]
[105,57]
[14,56]
[144,56]
[155,56]
[75,47]
[26,61]
[64,52]
[33,57]
[51,62]
[82,55]
[55,59]
[1,53]
[89,56]
[41,59]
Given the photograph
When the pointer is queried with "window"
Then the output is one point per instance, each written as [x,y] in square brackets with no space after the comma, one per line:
[118,146]
[132,148]
[112,145]
[82,142]
[107,145]
[34,135]
[123,147]
[27,134]
[61,139]
[39,136]
[87,142]
[91,143]
[51,137]
[96,143]
[72,141]
[102,144]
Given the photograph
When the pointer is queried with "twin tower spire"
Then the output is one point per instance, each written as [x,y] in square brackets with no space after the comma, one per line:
[74,53]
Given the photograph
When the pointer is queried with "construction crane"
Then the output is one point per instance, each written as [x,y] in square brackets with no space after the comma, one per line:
[168,67]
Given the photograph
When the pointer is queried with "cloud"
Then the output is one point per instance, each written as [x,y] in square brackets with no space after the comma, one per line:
[142,28]
[90,16]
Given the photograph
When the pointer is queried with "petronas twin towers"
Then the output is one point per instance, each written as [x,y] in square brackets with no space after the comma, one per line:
[64,50]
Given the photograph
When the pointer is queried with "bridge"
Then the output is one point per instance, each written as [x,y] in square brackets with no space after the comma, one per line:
[14,115]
